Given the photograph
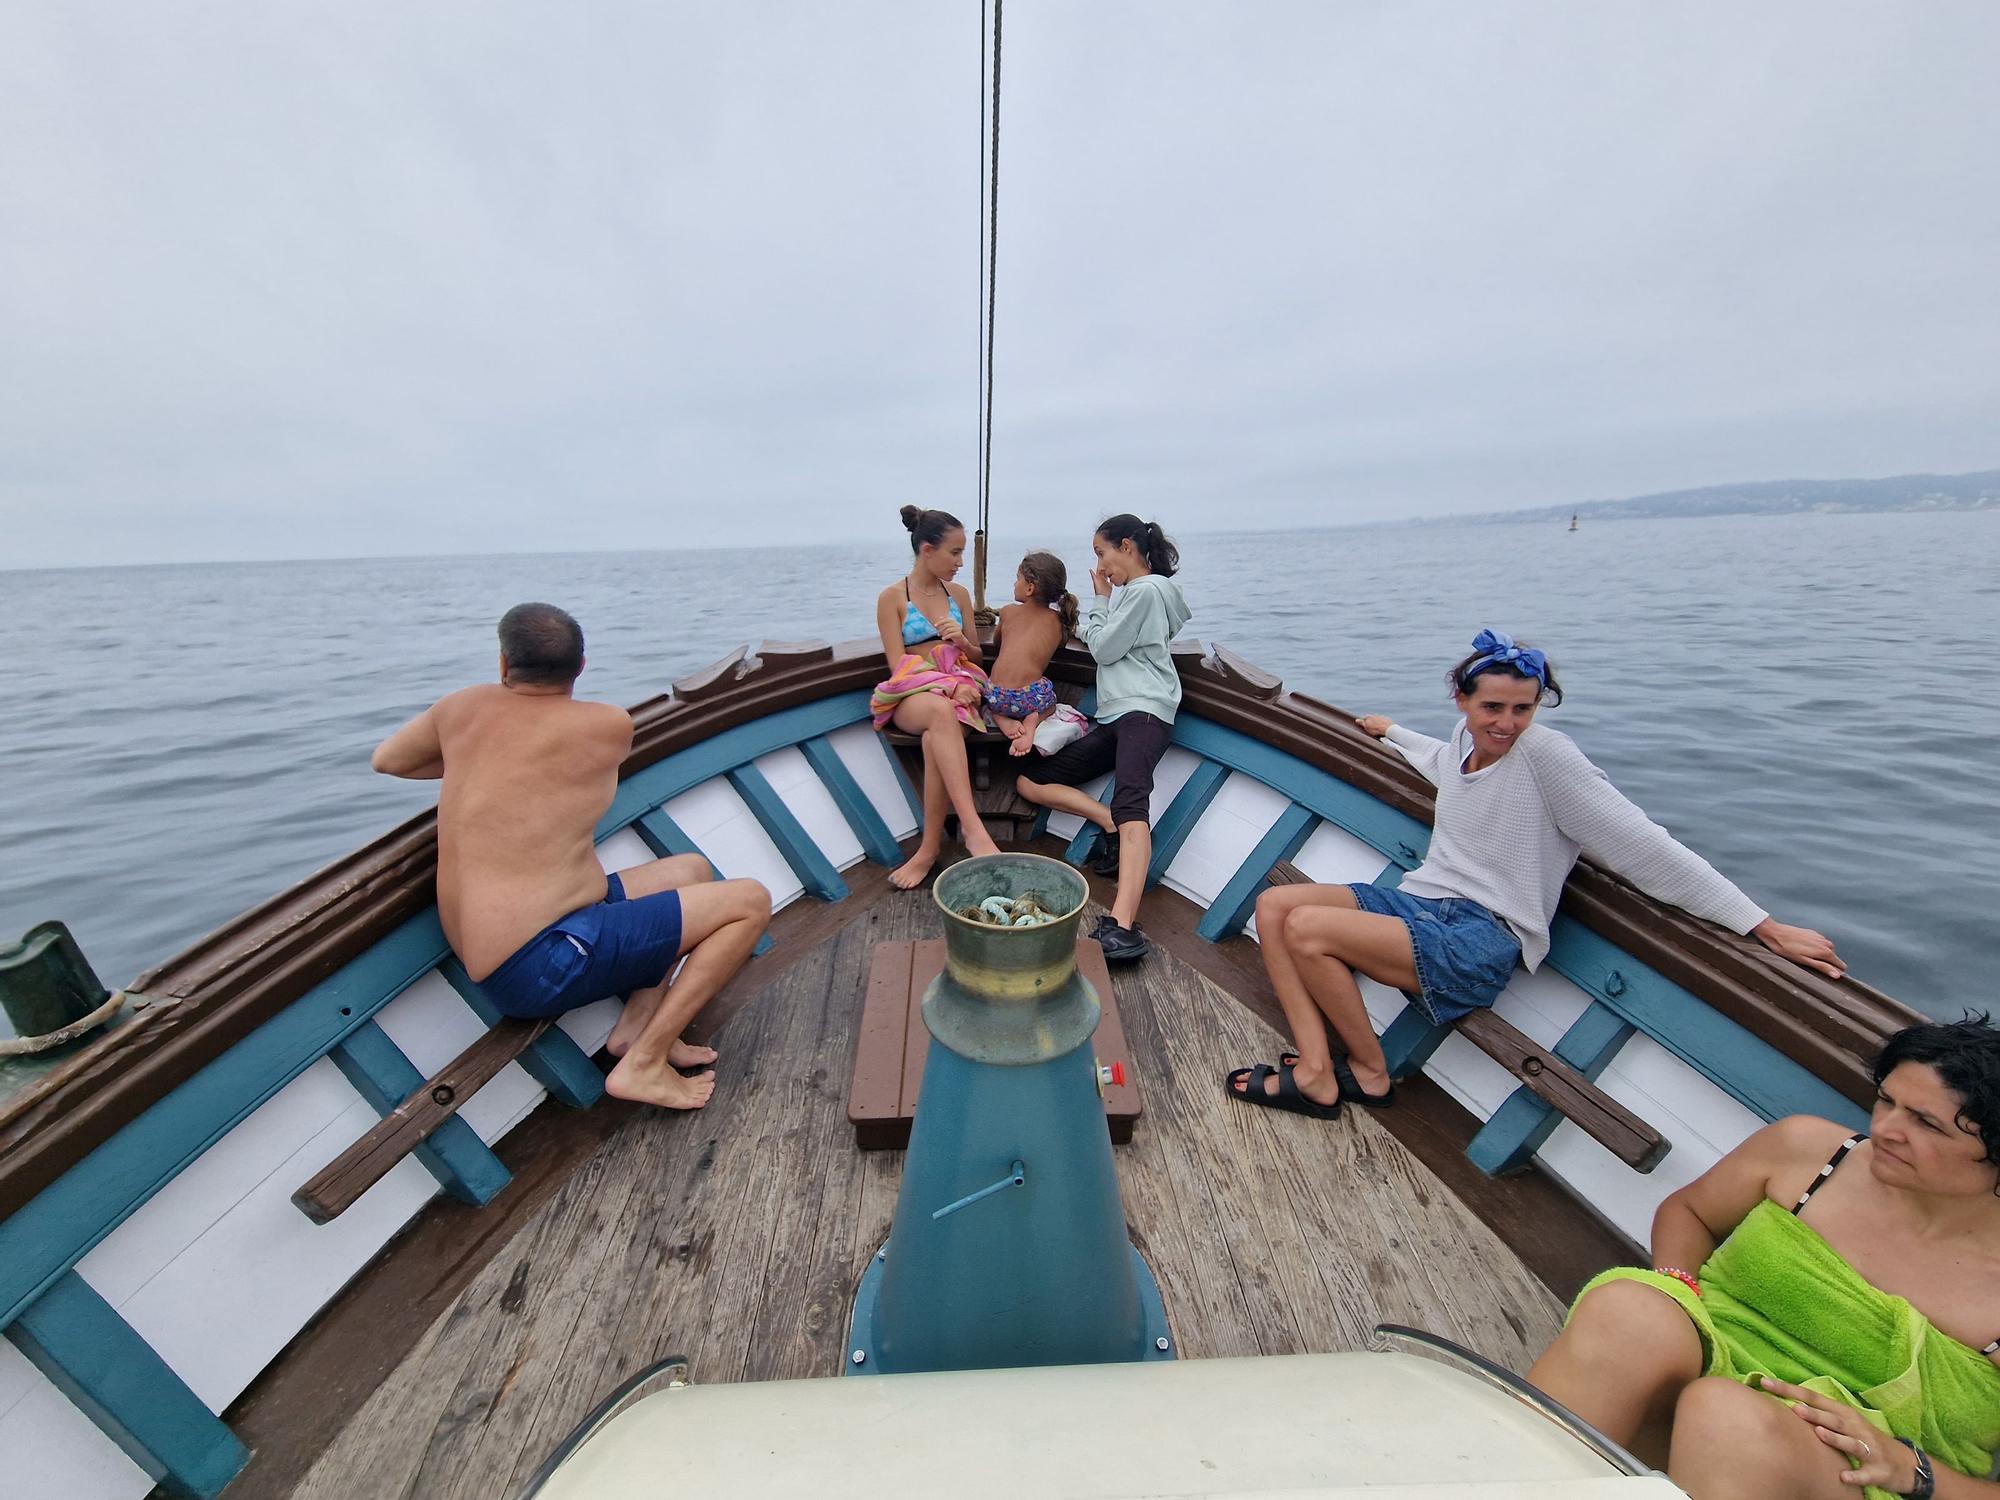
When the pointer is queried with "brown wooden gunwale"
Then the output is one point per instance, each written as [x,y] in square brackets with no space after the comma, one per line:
[220,989]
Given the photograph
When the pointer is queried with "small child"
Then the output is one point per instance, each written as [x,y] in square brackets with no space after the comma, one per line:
[1019,694]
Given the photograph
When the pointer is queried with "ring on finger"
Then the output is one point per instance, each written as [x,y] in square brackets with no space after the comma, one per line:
[1866,1451]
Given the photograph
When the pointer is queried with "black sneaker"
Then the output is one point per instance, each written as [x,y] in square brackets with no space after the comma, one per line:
[1122,945]
[1105,860]
[1104,924]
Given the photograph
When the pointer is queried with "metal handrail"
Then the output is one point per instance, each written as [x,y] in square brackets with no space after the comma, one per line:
[603,1412]
[1388,1334]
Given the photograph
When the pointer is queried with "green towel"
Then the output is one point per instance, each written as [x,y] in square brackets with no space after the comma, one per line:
[1777,1300]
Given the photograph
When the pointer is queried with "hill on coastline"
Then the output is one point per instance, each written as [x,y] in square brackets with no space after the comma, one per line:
[1781,497]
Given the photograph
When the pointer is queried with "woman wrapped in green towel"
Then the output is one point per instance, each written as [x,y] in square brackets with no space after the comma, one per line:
[1824,1312]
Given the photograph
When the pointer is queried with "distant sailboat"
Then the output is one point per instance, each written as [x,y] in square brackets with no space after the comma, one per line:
[1572,523]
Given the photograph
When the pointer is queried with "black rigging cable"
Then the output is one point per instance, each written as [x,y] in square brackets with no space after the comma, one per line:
[989,210]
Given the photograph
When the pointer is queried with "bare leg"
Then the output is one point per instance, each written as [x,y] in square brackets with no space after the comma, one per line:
[1135,853]
[1302,1013]
[1065,799]
[720,924]
[931,716]
[1024,742]
[930,840]
[1733,1443]
[1621,1363]
[1326,942]
[674,873]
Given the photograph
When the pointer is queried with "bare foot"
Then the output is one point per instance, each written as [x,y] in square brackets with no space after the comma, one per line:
[1022,745]
[913,871]
[632,1020]
[980,842]
[659,1085]
[689,1055]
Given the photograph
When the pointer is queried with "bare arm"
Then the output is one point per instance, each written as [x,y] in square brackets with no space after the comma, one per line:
[889,621]
[966,638]
[1775,1162]
[413,751]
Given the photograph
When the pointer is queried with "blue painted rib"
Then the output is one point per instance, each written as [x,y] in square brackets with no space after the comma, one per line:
[910,794]
[877,842]
[1396,834]
[1410,1041]
[463,1164]
[1752,1071]
[552,1059]
[1087,837]
[815,871]
[668,777]
[1509,1140]
[46,1237]
[1041,824]
[89,1353]
[665,838]
[1232,905]
[1178,821]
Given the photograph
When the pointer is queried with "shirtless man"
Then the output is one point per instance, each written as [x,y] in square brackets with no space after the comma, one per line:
[527,772]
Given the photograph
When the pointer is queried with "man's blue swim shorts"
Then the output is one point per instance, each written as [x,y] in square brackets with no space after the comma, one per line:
[612,948]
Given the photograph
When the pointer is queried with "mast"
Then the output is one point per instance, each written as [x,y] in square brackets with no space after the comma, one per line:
[989,212]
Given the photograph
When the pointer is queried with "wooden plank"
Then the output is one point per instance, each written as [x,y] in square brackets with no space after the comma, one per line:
[661,834]
[1524,1121]
[1595,1112]
[875,1096]
[711,679]
[90,1354]
[1182,813]
[552,1059]
[1554,1235]
[894,1043]
[866,823]
[334,1188]
[1234,903]
[926,963]
[451,1151]
[815,871]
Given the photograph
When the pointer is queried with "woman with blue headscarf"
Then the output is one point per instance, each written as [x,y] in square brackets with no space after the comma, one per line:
[1517,802]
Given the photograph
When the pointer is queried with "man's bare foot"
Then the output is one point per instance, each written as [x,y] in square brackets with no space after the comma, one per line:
[689,1055]
[631,1021]
[913,871]
[659,1085]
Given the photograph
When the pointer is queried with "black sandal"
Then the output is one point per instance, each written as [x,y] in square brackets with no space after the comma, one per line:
[1288,1096]
[1351,1091]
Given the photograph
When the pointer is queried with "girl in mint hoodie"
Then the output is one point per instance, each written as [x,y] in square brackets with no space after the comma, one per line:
[1138,692]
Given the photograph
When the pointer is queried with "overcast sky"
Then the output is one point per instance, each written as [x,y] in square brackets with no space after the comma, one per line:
[305,279]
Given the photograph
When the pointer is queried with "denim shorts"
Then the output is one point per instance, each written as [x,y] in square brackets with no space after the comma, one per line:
[612,948]
[1464,954]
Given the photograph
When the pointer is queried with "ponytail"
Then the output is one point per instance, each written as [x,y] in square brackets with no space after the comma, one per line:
[1161,555]
[1051,580]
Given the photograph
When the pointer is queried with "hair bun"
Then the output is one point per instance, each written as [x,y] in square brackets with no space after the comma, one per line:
[913,517]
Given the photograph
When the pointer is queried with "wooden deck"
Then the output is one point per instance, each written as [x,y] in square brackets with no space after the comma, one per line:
[736,1235]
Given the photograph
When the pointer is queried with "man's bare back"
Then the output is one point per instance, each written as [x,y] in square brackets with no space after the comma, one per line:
[528,771]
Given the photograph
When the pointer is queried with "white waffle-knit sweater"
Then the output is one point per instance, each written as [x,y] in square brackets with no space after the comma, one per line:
[1508,836]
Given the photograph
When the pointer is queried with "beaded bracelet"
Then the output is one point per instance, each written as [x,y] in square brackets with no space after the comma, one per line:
[1681,1276]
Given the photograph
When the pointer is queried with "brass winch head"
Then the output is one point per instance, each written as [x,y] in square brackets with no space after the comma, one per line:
[1010,929]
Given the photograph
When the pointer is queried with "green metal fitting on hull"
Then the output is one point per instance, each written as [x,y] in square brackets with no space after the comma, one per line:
[49,994]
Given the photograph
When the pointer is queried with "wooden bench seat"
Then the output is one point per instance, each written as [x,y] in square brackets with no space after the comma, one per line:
[889,1056]
[1566,1089]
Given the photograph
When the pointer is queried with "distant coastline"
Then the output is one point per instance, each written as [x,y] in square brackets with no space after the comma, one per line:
[1770,497]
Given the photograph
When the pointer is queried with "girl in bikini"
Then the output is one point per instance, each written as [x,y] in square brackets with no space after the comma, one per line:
[935,686]
[1042,617]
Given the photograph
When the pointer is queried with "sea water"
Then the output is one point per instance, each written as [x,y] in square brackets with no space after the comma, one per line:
[1810,701]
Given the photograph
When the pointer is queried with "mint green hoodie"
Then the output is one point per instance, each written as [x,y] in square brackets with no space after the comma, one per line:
[1135,672]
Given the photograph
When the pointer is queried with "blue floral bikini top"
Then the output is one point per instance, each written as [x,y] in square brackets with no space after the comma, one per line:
[917,629]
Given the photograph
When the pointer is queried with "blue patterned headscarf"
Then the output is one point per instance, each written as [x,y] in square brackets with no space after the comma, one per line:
[1493,648]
